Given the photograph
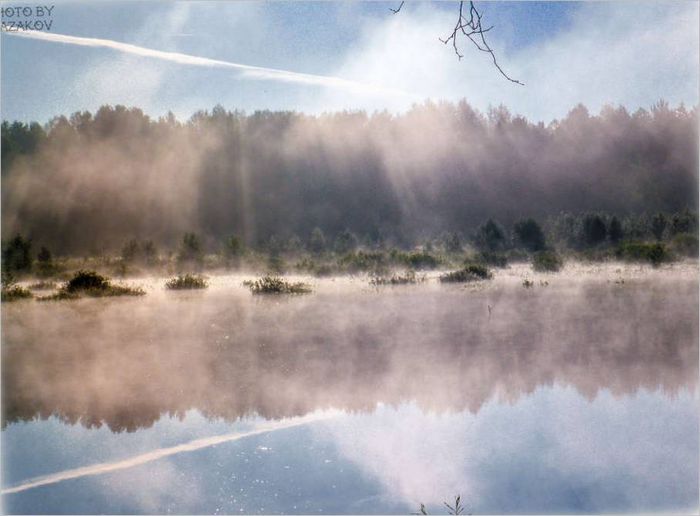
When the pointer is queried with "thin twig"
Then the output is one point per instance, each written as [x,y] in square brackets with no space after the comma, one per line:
[398,9]
[471,28]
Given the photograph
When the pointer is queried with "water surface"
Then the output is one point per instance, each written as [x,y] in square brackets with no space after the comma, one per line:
[576,395]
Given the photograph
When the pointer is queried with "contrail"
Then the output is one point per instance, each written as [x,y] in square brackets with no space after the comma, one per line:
[197,444]
[248,71]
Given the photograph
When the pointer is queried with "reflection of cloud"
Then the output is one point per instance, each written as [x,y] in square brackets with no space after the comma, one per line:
[144,458]
[551,451]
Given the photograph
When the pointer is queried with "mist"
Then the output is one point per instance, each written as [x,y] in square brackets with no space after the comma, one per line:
[90,182]
[124,363]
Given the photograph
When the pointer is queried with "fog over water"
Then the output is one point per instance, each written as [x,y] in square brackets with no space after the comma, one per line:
[125,362]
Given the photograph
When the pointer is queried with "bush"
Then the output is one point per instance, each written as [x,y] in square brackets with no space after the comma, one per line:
[471,272]
[15,292]
[276,285]
[420,260]
[654,253]
[363,261]
[186,282]
[685,244]
[91,284]
[493,259]
[547,261]
[43,285]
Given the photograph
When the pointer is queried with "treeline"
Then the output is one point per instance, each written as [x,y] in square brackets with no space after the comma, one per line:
[89,183]
[590,236]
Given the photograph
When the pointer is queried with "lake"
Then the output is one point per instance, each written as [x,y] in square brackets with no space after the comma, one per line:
[578,394]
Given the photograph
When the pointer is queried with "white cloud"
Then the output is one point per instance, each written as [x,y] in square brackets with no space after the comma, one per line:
[618,53]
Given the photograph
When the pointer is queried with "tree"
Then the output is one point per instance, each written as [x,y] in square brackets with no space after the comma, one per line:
[17,254]
[615,232]
[490,236]
[658,225]
[44,256]
[528,234]
[190,249]
[317,242]
[345,242]
[594,230]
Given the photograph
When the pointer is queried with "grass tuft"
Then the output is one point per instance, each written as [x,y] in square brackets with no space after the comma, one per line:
[186,282]
[406,279]
[15,293]
[473,272]
[276,285]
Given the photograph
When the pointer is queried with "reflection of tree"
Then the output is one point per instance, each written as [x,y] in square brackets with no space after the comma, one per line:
[231,357]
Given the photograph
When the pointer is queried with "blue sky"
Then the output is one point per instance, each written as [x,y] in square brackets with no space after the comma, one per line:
[596,53]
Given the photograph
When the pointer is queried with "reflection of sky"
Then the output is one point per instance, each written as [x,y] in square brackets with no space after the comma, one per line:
[551,451]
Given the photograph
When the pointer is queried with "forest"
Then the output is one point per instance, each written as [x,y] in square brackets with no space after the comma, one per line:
[91,183]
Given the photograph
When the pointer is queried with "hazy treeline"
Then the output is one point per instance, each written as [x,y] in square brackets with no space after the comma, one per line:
[92,182]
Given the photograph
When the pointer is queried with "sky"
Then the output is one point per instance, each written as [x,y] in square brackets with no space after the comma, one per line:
[326,56]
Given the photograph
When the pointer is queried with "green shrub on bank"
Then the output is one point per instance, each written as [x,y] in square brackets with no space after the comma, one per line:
[276,285]
[547,261]
[186,282]
[472,272]
[654,253]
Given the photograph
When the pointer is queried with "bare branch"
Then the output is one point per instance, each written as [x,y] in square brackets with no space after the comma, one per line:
[470,27]
[398,9]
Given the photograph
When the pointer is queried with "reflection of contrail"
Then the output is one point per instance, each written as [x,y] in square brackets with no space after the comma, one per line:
[197,444]
[254,72]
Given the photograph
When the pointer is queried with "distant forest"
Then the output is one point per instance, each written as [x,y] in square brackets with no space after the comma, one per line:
[91,182]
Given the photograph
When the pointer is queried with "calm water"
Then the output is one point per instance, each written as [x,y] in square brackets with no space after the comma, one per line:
[576,396]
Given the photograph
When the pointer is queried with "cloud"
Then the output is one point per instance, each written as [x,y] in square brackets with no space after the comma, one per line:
[246,71]
[616,53]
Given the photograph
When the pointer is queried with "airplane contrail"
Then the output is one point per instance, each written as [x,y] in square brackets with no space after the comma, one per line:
[249,71]
[197,444]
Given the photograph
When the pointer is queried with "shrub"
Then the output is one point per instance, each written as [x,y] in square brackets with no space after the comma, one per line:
[654,253]
[493,259]
[547,261]
[471,272]
[42,285]
[276,285]
[186,282]
[92,284]
[15,292]
[363,261]
[685,244]
[421,260]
